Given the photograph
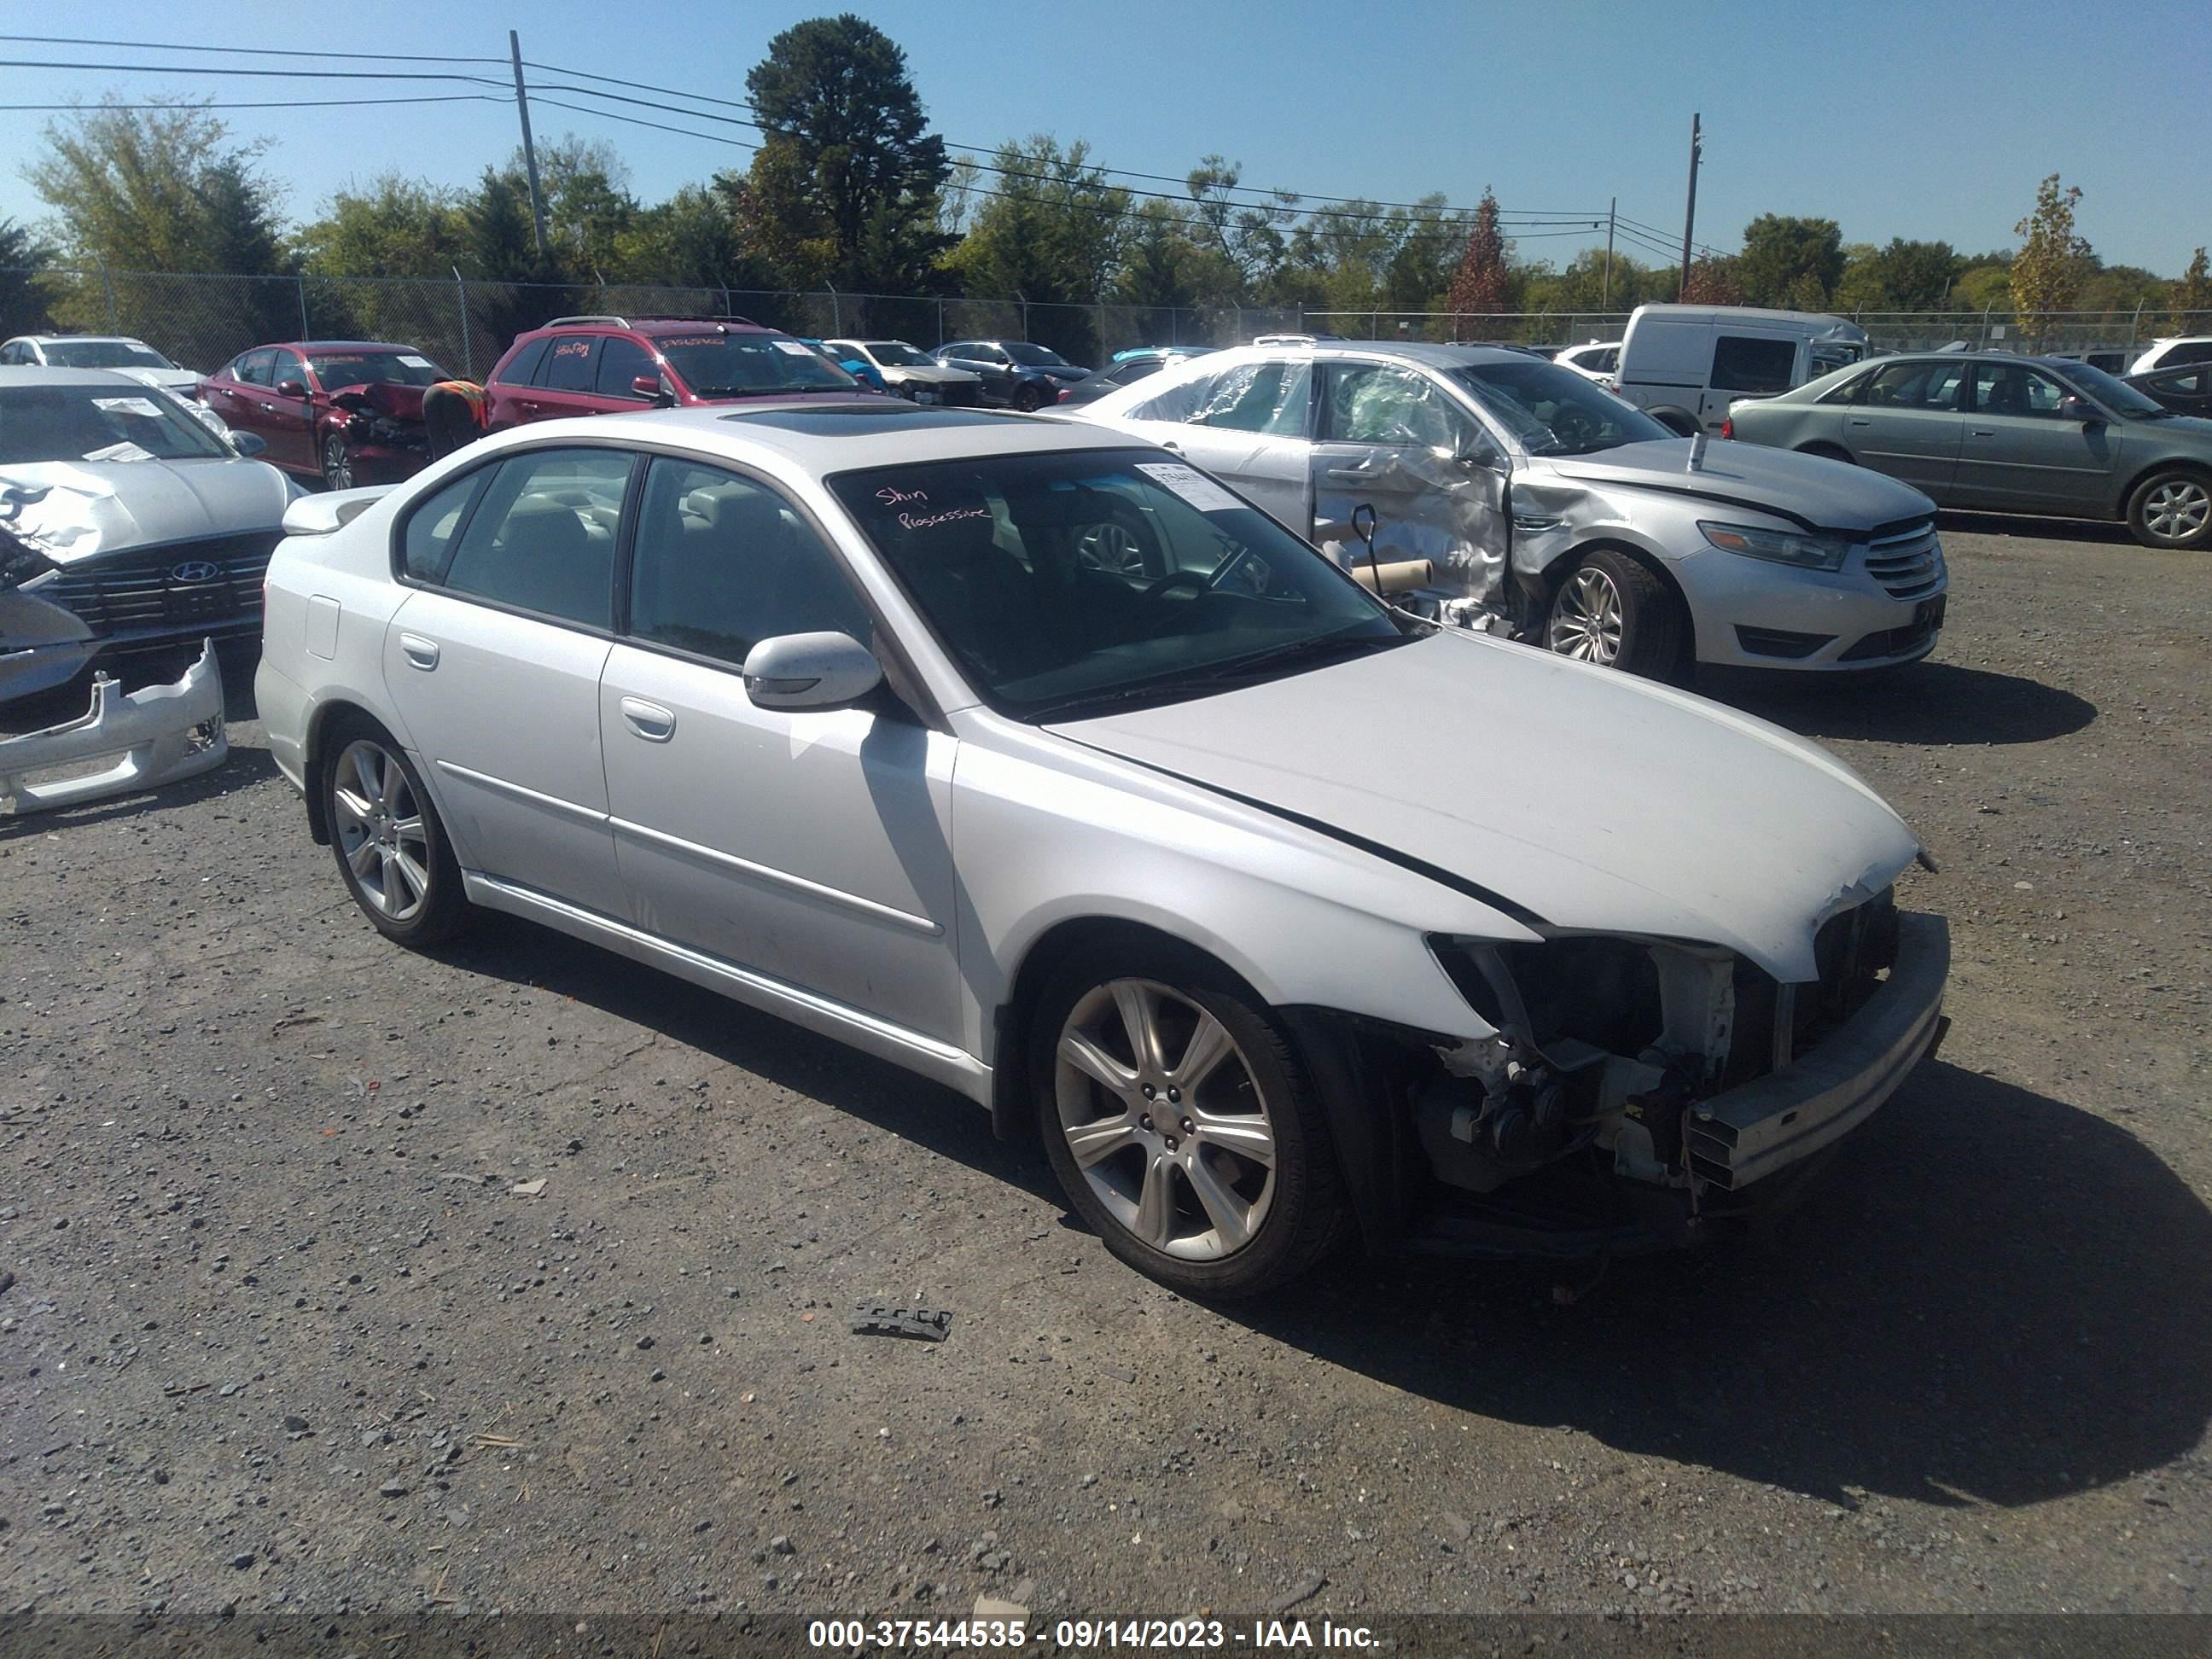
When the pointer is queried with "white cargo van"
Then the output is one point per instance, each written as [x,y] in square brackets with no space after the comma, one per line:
[1684,365]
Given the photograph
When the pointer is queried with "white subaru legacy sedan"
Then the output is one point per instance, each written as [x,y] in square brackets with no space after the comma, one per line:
[1285,917]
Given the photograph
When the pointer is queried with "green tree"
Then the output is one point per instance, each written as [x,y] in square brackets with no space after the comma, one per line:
[2048,271]
[393,226]
[1917,275]
[23,302]
[1781,253]
[1051,234]
[588,206]
[1251,238]
[513,288]
[1479,285]
[846,189]
[1713,282]
[1984,284]
[690,240]
[2190,306]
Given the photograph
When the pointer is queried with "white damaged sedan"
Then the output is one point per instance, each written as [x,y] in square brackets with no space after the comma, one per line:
[1220,875]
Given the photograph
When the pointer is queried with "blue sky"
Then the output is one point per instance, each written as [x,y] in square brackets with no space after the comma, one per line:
[1917,120]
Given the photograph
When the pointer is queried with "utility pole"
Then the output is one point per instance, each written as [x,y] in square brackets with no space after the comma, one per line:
[530,150]
[1612,209]
[1689,213]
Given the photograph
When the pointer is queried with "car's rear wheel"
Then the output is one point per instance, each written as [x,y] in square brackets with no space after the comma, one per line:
[392,850]
[1613,612]
[2173,509]
[337,462]
[1179,1119]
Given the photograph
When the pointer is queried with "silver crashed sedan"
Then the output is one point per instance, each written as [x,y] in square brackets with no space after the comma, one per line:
[2003,433]
[1281,915]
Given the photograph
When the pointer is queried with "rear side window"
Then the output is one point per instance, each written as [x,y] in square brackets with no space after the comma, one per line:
[428,541]
[570,365]
[1743,362]
[1916,386]
[252,369]
[622,360]
[543,537]
[524,364]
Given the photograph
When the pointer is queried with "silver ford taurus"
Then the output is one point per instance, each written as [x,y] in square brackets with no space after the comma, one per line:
[1282,915]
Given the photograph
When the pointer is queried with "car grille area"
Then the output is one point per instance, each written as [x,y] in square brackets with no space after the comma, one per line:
[213,583]
[1908,561]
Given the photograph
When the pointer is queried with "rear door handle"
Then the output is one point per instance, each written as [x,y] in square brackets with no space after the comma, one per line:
[648,721]
[1982,432]
[419,652]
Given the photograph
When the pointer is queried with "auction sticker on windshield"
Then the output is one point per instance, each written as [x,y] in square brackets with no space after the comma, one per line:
[127,406]
[793,348]
[414,362]
[1194,486]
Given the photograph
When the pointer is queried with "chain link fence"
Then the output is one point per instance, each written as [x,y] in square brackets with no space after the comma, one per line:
[204,320]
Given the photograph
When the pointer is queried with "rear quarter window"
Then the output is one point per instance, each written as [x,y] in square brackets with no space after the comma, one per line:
[571,363]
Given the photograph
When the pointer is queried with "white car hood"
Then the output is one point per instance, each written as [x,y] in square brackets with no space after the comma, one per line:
[1594,800]
[1831,495]
[108,507]
[932,376]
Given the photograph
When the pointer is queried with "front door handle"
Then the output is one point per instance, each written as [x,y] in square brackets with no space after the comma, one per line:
[1982,432]
[271,408]
[1858,420]
[648,721]
[1349,475]
[419,652]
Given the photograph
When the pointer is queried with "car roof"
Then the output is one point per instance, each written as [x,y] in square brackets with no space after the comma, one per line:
[652,327]
[332,345]
[78,339]
[1428,355]
[842,434]
[35,374]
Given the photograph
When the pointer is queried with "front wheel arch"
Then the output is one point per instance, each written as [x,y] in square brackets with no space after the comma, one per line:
[2143,475]
[1828,452]
[1559,569]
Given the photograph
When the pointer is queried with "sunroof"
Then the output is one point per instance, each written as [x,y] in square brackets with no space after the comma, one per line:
[891,415]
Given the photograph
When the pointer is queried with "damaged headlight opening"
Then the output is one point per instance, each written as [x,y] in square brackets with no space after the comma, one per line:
[1778,546]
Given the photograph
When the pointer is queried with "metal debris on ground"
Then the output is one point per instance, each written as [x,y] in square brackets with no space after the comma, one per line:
[528,1188]
[929,1324]
[158,735]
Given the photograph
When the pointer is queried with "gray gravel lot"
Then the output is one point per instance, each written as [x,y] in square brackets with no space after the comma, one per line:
[279,1335]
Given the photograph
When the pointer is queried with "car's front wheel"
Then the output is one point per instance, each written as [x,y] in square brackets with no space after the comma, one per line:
[1613,612]
[2173,509]
[1030,398]
[392,850]
[337,462]
[1179,1119]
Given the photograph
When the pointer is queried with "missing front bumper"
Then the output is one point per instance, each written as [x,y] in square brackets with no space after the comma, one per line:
[158,735]
[1751,1132]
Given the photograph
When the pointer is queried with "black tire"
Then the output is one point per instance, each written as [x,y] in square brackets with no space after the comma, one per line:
[2172,509]
[1030,398]
[1830,452]
[1299,1198]
[1611,611]
[1676,420]
[337,465]
[378,839]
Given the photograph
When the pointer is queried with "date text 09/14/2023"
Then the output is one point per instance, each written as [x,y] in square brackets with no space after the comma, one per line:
[1080,1635]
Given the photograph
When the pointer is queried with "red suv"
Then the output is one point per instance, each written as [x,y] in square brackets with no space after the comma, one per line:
[605,365]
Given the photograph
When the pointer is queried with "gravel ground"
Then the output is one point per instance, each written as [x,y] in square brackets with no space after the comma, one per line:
[276,1333]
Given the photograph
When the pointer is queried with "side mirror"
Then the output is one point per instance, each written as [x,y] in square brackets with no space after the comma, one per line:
[1482,453]
[248,444]
[810,672]
[291,388]
[2079,408]
[650,386]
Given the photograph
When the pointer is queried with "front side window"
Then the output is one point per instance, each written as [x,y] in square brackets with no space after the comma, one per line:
[1380,404]
[285,366]
[98,423]
[722,562]
[2011,389]
[1922,386]
[571,364]
[1746,362]
[543,537]
[1552,411]
[1073,581]
[622,360]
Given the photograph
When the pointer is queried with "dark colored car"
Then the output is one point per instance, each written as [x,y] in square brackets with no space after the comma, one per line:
[344,411]
[1127,369]
[606,365]
[1014,373]
[2185,391]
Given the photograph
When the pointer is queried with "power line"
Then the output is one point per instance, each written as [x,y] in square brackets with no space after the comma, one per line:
[243,52]
[283,103]
[279,75]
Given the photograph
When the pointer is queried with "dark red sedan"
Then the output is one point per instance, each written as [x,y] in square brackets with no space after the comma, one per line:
[344,411]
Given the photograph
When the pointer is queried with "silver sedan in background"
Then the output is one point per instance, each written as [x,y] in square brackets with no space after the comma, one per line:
[2004,433]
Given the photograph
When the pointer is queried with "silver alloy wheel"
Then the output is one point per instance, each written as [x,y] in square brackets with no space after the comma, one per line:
[1108,546]
[337,465]
[2177,510]
[1586,618]
[380,829]
[1165,1117]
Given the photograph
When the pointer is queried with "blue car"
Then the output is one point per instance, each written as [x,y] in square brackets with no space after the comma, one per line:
[858,367]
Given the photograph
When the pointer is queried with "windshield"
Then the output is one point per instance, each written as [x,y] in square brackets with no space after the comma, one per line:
[1552,411]
[104,354]
[716,365]
[337,368]
[2116,395]
[1068,583]
[98,423]
[1035,357]
[897,354]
